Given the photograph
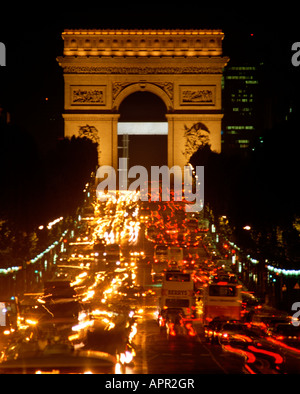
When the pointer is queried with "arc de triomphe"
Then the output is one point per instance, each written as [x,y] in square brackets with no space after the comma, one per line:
[183,67]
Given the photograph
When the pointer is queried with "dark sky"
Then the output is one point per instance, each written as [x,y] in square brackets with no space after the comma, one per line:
[31,84]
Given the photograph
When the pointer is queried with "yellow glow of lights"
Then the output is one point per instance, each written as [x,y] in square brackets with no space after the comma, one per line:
[83,325]
[31,322]
[118,368]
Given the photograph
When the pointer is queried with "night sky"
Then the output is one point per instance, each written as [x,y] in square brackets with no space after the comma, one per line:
[31,84]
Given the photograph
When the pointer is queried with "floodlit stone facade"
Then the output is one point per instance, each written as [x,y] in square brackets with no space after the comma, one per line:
[182,67]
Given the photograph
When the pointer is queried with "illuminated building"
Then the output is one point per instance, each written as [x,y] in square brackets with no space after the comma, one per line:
[242,105]
[183,68]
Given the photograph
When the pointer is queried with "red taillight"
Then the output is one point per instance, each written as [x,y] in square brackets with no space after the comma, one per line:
[172,331]
[191,330]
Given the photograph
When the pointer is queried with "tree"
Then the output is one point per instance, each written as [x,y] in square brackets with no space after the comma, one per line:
[19,176]
[68,167]
[260,190]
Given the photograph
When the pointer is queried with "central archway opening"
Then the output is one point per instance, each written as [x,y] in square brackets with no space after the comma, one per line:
[143,130]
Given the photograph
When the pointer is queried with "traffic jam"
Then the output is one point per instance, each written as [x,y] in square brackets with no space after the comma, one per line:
[127,262]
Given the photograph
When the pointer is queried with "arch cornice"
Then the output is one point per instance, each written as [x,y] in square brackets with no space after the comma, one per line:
[163,90]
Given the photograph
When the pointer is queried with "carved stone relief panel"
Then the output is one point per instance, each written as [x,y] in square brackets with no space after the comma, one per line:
[197,94]
[195,136]
[88,95]
[90,132]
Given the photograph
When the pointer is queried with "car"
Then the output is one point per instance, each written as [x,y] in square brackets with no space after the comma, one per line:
[285,332]
[176,323]
[56,358]
[233,331]
[132,291]
[265,321]
[211,331]
[170,315]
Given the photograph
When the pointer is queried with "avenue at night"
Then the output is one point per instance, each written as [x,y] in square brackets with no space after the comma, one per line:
[149,209]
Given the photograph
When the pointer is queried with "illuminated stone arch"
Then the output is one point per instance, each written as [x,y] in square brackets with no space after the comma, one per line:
[159,91]
[182,67]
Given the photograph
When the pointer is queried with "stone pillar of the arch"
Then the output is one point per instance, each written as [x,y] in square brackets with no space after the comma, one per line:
[106,126]
[179,123]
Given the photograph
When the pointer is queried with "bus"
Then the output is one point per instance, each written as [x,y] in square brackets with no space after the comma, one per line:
[178,292]
[160,253]
[220,299]
[175,253]
[203,225]
[192,225]
[160,262]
